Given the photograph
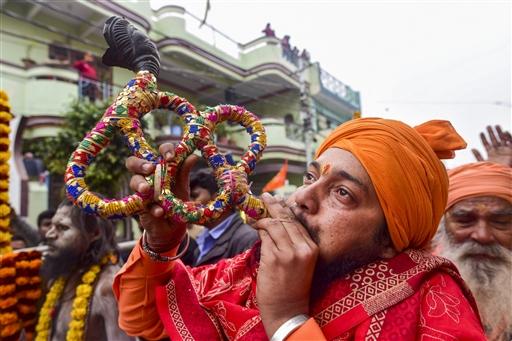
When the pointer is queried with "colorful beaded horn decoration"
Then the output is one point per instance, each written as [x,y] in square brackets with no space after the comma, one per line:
[131,49]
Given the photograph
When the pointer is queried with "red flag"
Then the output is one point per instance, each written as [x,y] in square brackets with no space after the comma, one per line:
[278,180]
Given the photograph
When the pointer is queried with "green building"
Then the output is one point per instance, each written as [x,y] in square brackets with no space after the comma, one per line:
[290,93]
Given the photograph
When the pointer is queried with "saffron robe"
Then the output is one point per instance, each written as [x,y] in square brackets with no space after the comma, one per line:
[413,296]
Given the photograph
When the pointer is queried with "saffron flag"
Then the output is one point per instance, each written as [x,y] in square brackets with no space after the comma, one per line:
[278,180]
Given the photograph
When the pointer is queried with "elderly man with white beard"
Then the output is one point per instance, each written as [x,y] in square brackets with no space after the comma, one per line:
[476,234]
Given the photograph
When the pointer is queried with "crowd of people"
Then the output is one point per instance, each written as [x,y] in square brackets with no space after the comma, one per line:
[346,256]
[380,242]
[350,254]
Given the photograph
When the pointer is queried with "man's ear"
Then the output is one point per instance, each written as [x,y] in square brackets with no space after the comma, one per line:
[95,235]
[388,249]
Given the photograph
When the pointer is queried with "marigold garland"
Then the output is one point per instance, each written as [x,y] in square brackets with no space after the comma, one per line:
[4,168]
[4,129]
[5,210]
[4,184]
[5,237]
[28,289]
[8,318]
[5,118]
[18,294]
[26,309]
[5,156]
[83,294]
[8,302]
[7,289]
[10,330]
[4,196]
[4,224]
[33,264]
[7,272]
[9,322]
[43,326]
[32,294]
[23,280]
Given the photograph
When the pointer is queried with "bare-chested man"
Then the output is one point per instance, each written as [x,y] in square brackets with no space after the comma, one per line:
[77,241]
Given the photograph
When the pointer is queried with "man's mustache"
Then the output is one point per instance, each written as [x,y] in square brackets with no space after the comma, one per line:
[472,248]
[302,220]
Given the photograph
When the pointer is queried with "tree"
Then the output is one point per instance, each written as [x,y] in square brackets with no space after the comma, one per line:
[107,174]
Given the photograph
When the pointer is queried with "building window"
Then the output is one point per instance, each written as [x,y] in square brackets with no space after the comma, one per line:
[292,129]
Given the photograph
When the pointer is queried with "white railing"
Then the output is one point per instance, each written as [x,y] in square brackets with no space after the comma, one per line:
[338,88]
[211,35]
[103,90]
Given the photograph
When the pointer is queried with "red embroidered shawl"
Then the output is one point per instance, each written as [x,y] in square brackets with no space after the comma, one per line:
[409,295]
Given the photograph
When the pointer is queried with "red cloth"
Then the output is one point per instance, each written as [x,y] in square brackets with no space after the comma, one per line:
[86,70]
[279,180]
[413,296]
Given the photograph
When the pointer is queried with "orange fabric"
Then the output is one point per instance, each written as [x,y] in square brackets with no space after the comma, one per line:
[308,331]
[137,280]
[279,180]
[479,179]
[410,181]
[441,137]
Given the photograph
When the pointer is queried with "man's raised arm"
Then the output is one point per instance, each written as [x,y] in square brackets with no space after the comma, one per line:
[134,285]
[134,288]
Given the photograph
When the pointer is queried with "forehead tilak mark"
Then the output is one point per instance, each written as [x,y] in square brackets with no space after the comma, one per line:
[325,168]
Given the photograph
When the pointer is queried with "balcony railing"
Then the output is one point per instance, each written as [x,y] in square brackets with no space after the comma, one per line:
[339,89]
[192,25]
[98,90]
[200,29]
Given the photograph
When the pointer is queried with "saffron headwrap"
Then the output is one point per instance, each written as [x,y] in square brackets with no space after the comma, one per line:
[403,164]
[479,179]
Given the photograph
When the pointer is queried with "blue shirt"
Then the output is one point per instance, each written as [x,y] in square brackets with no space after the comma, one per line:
[206,240]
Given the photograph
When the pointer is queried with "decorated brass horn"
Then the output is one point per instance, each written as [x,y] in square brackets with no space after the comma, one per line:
[131,49]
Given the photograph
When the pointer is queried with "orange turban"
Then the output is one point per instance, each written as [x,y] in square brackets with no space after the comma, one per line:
[479,179]
[403,164]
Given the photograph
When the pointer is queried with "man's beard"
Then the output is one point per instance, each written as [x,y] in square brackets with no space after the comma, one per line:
[489,279]
[61,264]
[328,272]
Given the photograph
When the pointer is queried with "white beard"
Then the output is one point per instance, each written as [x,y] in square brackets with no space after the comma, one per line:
[489,281]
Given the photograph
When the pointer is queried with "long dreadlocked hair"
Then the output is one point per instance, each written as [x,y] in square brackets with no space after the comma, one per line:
[89,223]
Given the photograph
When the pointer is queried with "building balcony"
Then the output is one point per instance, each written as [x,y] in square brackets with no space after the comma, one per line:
[185,29]
[335,87]
[37,84]
[45,82]
[198,61]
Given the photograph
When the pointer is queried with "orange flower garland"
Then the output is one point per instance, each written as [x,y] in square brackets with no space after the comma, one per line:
[5,210]
[7,289]
[19,272]
[9,322]
[28,289]
[80,307]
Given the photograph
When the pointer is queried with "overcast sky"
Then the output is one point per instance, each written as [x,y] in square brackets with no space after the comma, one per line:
[410,60]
